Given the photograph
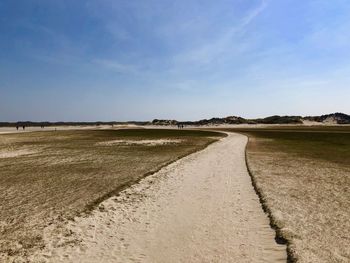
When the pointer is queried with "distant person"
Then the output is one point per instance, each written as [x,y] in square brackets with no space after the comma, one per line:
[17,127]
[24,127]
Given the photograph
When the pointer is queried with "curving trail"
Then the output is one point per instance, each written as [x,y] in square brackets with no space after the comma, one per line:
[201,208]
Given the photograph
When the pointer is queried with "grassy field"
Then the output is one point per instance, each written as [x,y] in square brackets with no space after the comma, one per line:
[49,176]
[303,177]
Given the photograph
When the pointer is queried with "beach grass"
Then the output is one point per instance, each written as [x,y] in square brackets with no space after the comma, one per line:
[302,175]
[50,176]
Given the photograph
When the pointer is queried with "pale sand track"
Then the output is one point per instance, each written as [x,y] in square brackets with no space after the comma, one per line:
[201,208]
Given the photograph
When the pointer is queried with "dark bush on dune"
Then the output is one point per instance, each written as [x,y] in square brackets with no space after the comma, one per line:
[280,120]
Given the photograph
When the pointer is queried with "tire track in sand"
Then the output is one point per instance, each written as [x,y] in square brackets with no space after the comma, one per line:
[202,208]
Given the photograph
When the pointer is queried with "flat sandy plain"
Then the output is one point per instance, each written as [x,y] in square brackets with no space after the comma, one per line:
[51,176]
[201,208]
[303,177]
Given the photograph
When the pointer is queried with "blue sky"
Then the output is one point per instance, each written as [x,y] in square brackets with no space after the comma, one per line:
[139,60]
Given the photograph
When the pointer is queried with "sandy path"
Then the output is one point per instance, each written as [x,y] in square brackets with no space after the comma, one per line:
[201,208]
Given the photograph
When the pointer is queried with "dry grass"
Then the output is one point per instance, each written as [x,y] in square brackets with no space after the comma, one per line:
[48,176]
[303,176]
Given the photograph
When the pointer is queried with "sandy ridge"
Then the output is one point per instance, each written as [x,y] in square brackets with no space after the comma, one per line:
[201,208]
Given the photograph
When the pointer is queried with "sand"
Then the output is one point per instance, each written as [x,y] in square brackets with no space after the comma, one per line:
[6,130]
[8,153]
[201,208]
[141,142]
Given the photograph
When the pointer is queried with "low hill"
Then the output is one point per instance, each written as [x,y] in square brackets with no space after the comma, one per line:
[280,120]
[335,118]
[234,120]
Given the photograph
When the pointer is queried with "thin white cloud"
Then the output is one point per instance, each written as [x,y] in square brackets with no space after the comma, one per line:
[253,14]
[116,66]
[220,46]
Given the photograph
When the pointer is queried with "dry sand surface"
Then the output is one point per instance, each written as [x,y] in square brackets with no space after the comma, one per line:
[8,153]
[310,203]
[6,130]
[46,177]
[141,142]
[201,208]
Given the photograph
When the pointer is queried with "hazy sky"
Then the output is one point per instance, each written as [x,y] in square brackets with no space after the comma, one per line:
[182,59]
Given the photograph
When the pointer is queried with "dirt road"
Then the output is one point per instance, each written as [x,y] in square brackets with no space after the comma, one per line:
[201,208]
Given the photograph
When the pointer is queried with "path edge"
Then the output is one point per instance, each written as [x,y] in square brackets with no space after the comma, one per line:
[279,238]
